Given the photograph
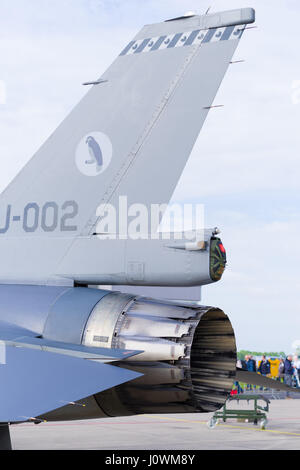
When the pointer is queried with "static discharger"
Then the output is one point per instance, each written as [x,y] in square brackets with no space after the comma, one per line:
[72,403]
[34,420]
[95,82]
[214,106]
[237,61]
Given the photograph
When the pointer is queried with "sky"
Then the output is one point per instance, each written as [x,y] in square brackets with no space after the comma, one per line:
[245,165]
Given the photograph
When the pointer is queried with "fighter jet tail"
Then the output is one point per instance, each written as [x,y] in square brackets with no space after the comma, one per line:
[130,135]
[133,131]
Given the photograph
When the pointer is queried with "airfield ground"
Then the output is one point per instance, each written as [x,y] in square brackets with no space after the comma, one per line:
[172,432]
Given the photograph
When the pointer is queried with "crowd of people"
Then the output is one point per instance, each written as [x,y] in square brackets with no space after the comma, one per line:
[288,370]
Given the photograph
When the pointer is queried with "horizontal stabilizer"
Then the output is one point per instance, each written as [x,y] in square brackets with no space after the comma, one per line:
[11,335]
[262,381]
[36,382]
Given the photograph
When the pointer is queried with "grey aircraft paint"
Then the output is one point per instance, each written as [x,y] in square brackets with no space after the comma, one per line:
[134,130]
[39,381]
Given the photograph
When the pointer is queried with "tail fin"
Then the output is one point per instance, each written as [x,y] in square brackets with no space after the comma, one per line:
[130,135]
[134,130]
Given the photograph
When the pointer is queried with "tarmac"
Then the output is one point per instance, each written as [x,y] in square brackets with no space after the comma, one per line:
[166,432]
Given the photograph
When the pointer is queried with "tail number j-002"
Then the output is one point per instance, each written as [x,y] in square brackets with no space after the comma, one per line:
[49,217]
